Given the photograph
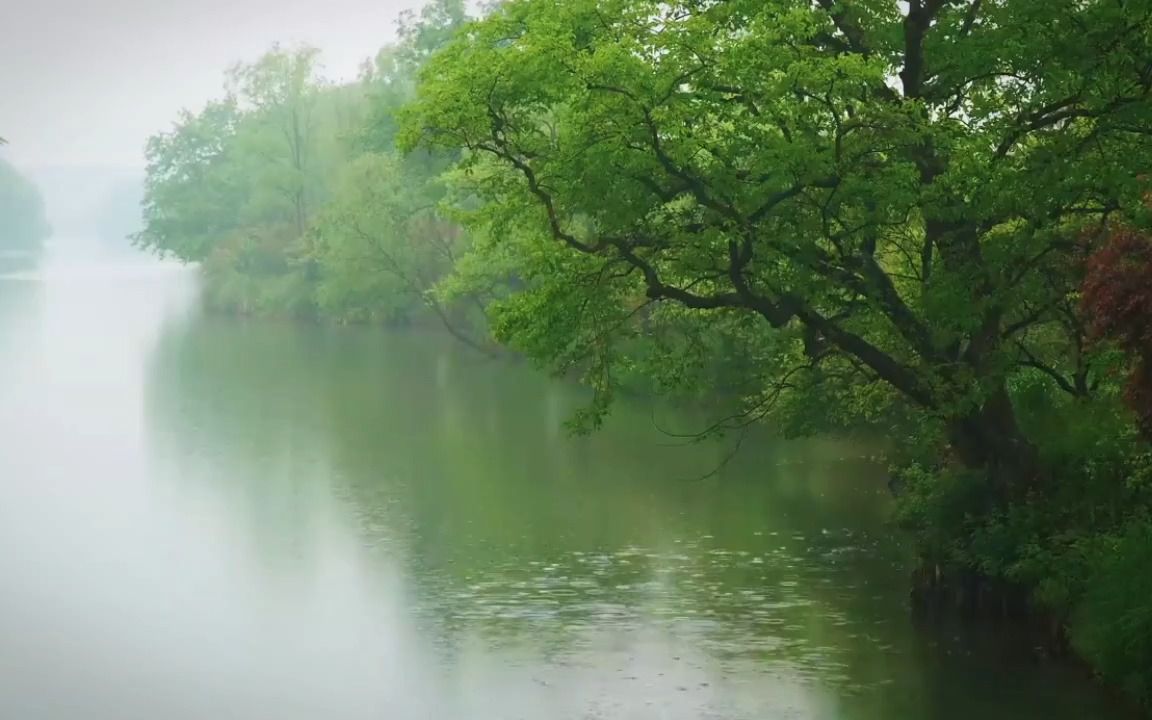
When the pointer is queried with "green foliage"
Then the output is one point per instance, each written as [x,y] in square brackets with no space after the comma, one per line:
[260,270]
[193,194]
[820,215]
[357,240]
[288,193]
[839,214]
[384,246]
[381,244]
[1079,547]
[233,187]
[1112,627]
[936,506]
[755,157]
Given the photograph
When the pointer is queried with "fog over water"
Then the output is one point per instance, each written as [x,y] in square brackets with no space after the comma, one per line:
[287,394]
[210,518]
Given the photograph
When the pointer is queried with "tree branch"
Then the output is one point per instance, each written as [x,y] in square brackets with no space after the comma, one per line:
[850,30]
[1032,361]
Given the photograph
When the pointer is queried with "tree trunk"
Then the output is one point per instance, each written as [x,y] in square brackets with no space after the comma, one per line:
[1139,394]
[989,439]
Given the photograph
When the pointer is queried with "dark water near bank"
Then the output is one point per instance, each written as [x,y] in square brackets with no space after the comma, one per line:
[214,519]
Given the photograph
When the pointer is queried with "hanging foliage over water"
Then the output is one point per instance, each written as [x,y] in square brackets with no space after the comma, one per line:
[825,215]
[881,202]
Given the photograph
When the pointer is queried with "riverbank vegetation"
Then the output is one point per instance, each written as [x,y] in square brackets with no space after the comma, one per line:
[292,195]
[929,219]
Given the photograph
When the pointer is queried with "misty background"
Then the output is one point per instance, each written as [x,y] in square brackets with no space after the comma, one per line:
[84,84]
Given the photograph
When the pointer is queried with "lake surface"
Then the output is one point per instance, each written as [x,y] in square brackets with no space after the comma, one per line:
[214,519]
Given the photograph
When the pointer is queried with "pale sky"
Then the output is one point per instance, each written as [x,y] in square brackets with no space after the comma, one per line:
[87,81]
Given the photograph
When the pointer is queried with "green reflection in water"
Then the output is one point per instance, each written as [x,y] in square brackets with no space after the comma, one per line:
[542,575]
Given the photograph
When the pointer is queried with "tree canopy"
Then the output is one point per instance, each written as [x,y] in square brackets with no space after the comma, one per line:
[904,187]
[290,192]
[923,218]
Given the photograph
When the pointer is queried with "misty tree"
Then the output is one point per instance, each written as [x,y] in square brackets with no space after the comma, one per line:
[280,92]
[264,186]
[193,198]
[383,244]
[385,249]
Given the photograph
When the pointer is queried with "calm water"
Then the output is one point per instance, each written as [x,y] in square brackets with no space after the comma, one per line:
[214,519]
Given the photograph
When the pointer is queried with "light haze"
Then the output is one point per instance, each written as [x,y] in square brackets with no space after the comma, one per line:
[85,82]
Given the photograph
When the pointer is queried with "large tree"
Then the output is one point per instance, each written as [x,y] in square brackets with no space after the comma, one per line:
[280,91]
[900,183]
[193,195]
[381,243]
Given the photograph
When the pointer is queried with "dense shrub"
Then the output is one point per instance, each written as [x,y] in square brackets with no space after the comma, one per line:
[1112,627]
